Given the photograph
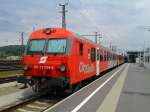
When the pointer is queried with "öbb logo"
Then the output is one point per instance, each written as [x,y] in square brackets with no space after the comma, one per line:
[43,59]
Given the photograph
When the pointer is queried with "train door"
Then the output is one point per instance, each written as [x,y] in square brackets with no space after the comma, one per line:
[97,61]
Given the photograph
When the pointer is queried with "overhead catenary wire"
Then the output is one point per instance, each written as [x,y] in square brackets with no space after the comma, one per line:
[92,22]
[107,37]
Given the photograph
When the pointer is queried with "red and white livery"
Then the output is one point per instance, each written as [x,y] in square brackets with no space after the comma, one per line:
[58,57]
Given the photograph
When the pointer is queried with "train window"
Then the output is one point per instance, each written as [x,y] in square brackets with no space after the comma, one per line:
[114,57]
[107,56]
[93,54]
[36,46]
[101,57]
[57,46]
[104,58]
[97,54]
[110,56]
[81,49]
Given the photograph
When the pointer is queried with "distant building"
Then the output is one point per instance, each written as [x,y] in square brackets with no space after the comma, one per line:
[135,56]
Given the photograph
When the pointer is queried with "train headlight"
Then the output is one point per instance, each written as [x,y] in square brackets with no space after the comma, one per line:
[48,31]
[62,68]
[26,67]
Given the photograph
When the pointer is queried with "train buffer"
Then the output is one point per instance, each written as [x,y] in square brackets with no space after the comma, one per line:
[124,89]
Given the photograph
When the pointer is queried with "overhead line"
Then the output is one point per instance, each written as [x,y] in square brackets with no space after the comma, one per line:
[95,24]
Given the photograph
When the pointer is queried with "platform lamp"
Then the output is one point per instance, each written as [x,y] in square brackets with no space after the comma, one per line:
[148,51]
[142,62]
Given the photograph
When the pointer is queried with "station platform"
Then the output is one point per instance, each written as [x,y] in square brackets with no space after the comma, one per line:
[124,89]
[10,95]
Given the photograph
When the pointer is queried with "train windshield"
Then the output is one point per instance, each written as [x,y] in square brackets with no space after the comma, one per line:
[57,46]
[36,46]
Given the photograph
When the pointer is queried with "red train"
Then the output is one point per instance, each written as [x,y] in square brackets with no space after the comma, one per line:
[56,57]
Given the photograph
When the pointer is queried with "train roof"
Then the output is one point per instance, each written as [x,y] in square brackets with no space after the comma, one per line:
[51,32]
[61,32]
[90,41]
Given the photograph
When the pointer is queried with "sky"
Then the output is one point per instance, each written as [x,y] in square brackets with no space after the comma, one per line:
[123,23]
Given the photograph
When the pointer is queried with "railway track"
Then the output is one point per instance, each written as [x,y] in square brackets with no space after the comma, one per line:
[10,69]
[6,62]
[8,65]
[37,103]
[8,79]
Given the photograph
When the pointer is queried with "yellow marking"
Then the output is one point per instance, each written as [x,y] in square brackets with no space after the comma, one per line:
[110,102]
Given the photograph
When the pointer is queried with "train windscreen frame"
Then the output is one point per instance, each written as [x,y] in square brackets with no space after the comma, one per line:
[36,46]
[57,46]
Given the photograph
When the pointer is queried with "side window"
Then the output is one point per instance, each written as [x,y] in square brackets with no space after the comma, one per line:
[107,56]
[114,57]
[93,54]
[81,49]
[101,57]
[97,54]
[104,56]
[111,56]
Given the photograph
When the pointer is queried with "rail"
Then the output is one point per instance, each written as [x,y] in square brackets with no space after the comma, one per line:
[9,65]
[8,79]
[42,99]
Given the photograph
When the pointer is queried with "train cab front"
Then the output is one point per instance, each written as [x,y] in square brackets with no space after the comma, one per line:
[46,59]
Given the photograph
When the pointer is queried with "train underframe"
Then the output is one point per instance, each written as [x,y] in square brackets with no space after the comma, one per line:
[57,85]
[49,84]
[54,84]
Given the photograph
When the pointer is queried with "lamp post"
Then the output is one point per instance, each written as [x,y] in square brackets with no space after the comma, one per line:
[142,58]
[142,63]
[148,51]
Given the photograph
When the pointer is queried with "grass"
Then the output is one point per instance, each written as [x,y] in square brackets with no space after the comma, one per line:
[5,74]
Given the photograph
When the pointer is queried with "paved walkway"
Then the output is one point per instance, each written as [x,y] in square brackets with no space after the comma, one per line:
[125,89]
[135,95]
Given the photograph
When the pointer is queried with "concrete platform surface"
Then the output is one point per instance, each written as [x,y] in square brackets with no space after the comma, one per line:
[135,95]
[90,97]
[125,89]
[8,84]
[9,99]
[9,88]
